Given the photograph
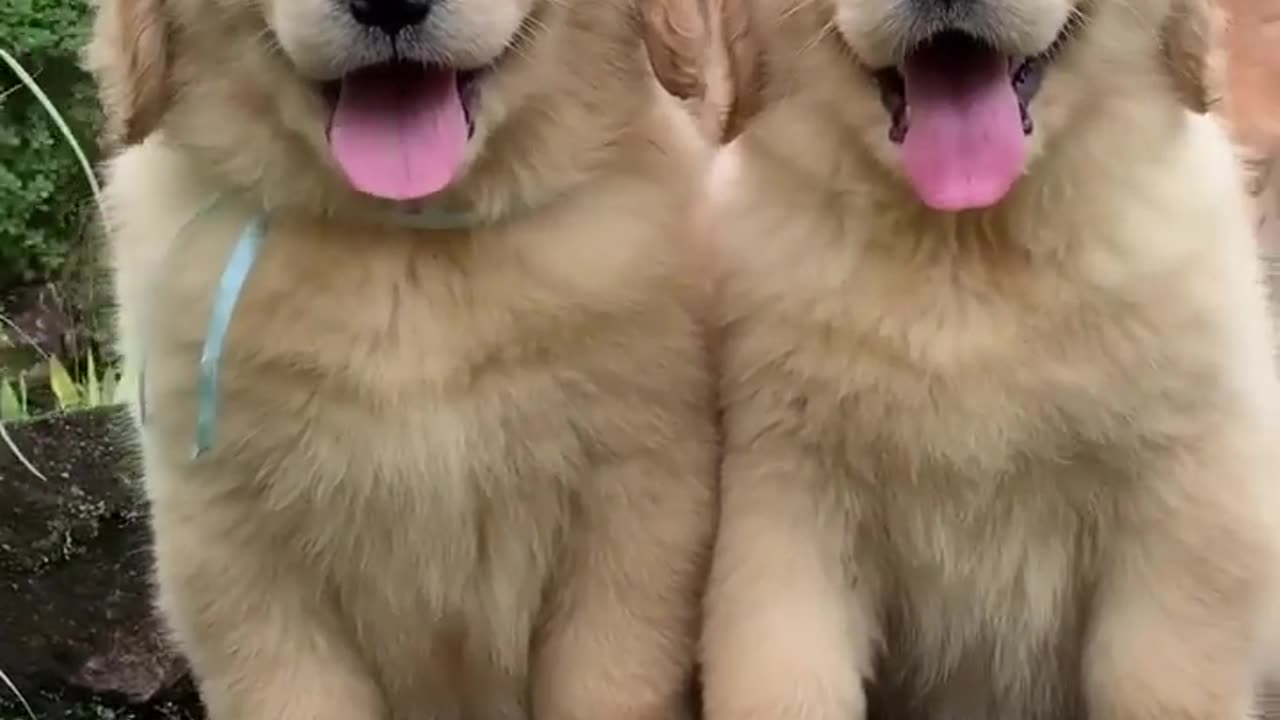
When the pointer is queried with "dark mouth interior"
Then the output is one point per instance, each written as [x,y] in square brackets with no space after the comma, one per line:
[468,82]
[959,53]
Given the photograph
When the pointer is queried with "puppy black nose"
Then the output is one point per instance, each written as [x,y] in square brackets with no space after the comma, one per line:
[390,16]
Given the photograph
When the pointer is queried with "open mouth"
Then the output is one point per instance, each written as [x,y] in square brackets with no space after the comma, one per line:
[960,111]
[399,130]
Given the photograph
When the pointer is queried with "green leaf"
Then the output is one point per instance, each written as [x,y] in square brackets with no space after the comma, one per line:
[64,388]
[10,407]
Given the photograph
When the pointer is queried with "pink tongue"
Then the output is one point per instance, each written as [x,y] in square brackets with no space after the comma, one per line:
[964,147]
[399,135]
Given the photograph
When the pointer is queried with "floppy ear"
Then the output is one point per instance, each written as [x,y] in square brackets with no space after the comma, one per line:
[1193,46]
[702,51]
[128,56]
[742,53]
[677,37]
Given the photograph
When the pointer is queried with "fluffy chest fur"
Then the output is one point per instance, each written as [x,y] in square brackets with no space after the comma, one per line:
[977,464]
[412,423]
[986,402]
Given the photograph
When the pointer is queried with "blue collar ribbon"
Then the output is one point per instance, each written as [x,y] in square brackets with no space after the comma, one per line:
[243,257]
[240,263]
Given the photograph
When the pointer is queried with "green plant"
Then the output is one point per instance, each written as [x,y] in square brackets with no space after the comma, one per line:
[14,406]
[81,390]
[41,213]
[44,202]
[90,389]
[15,403]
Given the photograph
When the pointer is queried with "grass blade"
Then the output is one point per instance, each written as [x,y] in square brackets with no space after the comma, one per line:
[52,110]
[14,689]
[7,440]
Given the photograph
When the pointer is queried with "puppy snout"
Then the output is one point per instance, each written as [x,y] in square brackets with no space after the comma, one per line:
[932,6]
[1000,23]
[390,16]
[938,14]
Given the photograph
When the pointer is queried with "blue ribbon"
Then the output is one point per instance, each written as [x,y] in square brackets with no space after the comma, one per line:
[142,361]
[243,256]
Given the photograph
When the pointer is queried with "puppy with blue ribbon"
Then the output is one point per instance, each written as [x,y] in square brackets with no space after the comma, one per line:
[426,411]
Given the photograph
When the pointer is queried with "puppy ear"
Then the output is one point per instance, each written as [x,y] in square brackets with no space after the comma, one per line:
[677,38]
[128,56]
[1193,53]
[743,61]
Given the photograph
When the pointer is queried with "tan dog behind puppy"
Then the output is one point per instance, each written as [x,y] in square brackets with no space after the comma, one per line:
[459,473]
[999,401]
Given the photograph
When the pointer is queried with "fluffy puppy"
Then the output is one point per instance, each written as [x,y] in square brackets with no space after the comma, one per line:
[458,473]
[999,401]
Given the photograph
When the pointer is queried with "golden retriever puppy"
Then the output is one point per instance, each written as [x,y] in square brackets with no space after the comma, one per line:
[999,401]
[464,458]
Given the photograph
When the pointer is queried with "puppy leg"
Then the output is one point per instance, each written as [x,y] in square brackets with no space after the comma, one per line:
[262,643]
[1178,608]
[620,637]
[786,638]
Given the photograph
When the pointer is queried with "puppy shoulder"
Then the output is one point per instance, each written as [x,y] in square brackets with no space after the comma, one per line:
[1197,220]
[150,185]
[158,217]
[1212,180]
[1210,147]
[1222,278]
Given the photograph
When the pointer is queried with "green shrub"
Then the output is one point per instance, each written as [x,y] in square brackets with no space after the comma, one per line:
[45,203]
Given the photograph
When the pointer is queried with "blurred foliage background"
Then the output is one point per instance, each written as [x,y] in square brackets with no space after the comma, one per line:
[45,204]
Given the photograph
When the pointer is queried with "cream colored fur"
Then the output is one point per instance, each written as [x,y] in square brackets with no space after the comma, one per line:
[1018,463]
[456,474]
